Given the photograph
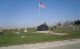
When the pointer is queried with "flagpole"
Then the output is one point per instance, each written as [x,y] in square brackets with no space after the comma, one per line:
[39,8]
[40,11]
[41,5]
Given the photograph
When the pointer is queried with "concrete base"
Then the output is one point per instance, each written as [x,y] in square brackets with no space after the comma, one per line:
[50,32]
[43,31]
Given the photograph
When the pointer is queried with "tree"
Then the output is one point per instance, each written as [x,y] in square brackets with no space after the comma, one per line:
[77,22]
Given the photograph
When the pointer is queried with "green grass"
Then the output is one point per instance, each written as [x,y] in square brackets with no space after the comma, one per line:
[13,39]
[10,38]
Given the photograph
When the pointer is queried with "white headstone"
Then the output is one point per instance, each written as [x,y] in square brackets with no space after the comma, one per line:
[18,33]
[22,36]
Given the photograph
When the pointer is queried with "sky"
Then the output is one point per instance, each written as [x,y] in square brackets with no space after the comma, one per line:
[20,13]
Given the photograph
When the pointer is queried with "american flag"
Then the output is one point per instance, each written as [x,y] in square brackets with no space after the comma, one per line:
[42,5]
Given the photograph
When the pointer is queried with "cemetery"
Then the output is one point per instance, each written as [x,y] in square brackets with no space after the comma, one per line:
[29,35]
[44,21]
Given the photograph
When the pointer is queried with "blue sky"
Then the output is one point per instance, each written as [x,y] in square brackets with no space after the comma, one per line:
[26,12]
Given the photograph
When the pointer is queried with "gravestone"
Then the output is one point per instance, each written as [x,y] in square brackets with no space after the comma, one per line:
[17,31]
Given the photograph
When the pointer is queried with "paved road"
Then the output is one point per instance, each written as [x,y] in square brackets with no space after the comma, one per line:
[69,46]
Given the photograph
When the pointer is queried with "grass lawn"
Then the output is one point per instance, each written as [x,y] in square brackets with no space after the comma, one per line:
[9,38]
[13,39]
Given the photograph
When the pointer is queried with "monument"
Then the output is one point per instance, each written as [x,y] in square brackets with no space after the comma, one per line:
[25,30]
[43,28]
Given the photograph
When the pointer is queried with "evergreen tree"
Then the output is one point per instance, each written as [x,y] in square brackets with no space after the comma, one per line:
[77,22]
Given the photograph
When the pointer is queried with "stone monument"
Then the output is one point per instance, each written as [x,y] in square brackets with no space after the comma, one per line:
[25,30]
[43,28]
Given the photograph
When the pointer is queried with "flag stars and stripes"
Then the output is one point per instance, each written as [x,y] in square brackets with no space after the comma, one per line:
[42,5]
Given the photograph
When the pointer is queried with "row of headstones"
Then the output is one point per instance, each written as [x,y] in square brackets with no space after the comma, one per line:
[74,28]
[16,32]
